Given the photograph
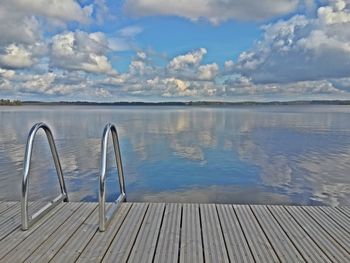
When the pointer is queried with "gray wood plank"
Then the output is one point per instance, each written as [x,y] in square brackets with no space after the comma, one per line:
[46,251]
[169,239]
[333,250]
[258,242]
[124,240]
[191,248]
[6,205]
[72,249]
[9,214]
[98,245]
[334,230]
[338,217]
[32,242]
[175,232]
[146,241]
[213,239]
[283,246]
[345,210]
[17,236]
[14,221]
[305,245]
[236,243]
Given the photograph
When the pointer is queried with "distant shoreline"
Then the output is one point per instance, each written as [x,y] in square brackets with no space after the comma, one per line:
[179,103]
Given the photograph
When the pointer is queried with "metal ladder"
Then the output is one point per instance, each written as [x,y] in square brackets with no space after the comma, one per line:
[27,220]
[104,218]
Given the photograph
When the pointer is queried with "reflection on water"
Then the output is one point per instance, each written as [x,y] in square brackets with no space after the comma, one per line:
[261,155]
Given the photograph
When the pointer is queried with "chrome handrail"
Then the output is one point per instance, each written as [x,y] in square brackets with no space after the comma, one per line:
[105,219]
[26,220]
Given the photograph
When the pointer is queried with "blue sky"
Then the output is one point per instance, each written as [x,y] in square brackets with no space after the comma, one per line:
[158,50]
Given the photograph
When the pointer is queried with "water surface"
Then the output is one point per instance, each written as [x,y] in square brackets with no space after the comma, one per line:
[255,155]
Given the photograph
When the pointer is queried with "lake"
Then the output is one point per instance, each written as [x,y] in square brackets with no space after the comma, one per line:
[244,155]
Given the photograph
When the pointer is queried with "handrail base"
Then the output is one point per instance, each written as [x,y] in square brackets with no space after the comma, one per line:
[43,211]
[111,212]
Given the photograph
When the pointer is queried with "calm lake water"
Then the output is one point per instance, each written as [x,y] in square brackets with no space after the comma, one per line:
[259,155]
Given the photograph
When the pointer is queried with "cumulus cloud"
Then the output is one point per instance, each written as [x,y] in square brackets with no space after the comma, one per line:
[337,12]
[65,10]
[19,19]
[243,86]
[190,59]
[15,57]
[81,51]
[4,73]
[208,72]
[22,28]
[303,56]
[183,76]
[188,66]
[215,11]
[301,49]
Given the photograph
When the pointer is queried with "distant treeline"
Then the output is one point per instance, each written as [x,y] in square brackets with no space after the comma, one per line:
[190,103]
[10,102]
[178,103]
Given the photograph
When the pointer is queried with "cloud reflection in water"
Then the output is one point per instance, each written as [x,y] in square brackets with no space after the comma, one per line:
[271,155]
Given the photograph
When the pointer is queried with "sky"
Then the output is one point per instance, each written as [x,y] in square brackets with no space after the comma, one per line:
[183,50]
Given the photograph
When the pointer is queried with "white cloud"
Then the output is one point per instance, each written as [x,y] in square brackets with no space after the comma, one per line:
[23,24]
[65,10]
[228,65]
[244,86]
[336,12]
[208,72]
[19,19]
[15,57]
[81,51]
[300,49]
[193,58]
[299,57]
[8,74]
[24,30]
[215,11]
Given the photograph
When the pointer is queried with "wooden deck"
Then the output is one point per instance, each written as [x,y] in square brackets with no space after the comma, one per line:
[149,232]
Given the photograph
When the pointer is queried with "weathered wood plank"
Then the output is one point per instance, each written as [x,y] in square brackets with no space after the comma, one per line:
[46,251]
[17,236]
[258,242]
[146,241]
[305,245]
[284,247]
[334,230]
[6,205]
[168,244]
[30,244]
[72,249]
[14,222]
[98,245]
[236,243]
[213,240]
[175,232]
[124,240]
[333,250]
[9,214]
[191,246]
[345,210]
[338,217]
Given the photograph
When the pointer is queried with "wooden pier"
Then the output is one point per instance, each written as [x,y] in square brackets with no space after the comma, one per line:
[156,232]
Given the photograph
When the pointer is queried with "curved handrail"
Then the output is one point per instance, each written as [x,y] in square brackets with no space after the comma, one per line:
[105,219]
[25,219]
